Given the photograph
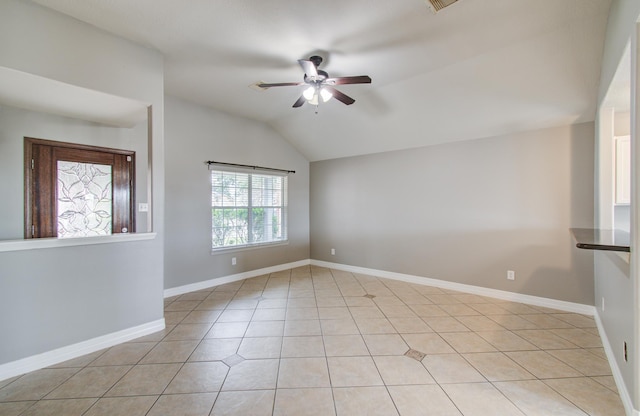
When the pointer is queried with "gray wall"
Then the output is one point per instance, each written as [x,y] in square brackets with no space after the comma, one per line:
[196,134]
[54,297]
[613,280]
[465,212]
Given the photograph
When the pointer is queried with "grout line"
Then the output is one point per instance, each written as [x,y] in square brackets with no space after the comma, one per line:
[323,279]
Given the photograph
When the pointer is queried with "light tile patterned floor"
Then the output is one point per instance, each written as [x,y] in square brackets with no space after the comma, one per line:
[314,341]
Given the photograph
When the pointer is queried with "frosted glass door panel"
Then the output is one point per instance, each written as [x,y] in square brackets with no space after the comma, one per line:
[84,199]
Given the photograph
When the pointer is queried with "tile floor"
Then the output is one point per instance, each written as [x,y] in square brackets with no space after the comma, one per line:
[314,341]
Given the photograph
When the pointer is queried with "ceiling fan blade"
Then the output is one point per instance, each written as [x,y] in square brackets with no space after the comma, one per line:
[300,101]
[360,79]
[344,98]
[279,84]
[308,67]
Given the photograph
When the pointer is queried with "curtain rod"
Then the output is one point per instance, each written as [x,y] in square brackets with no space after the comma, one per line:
[211,162]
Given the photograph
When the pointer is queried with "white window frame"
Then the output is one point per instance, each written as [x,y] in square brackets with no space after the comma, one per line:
[622,153]
[250,172]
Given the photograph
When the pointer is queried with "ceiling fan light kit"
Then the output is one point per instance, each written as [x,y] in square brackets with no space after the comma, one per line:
[313,94]
[319,86]
[309,93]
[325,94]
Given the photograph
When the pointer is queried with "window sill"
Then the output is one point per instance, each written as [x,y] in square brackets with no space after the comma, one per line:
[228,250]
[38,243]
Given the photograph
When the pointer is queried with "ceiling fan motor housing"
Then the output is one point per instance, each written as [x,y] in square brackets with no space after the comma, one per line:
[322,75]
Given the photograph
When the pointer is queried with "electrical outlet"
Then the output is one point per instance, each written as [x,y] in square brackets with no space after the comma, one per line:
[624,351]
[511,275]
[333,251]
[233,261]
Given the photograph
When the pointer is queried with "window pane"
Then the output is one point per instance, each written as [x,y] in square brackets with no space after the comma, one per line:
[276,197]
[217,236]
[277,227]
[217,193]
[216,179]
[247,208]
[267,190]
[242,197]
[259,234]
[267,224]
[230,189]
[229,227]
[84,199]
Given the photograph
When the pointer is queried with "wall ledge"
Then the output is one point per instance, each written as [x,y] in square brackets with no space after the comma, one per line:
[40,243]
[59,355]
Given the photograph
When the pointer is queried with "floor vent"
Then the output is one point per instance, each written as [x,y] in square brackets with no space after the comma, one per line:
[438,5]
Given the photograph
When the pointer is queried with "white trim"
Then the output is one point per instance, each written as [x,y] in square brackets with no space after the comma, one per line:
[615,370]
[247,247]
[175,291]
[59,355]
[38,243]
[476,290]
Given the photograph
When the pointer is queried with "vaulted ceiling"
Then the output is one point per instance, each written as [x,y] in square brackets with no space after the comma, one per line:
[475,69]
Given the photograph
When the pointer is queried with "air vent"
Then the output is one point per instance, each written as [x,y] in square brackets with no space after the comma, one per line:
[438,5]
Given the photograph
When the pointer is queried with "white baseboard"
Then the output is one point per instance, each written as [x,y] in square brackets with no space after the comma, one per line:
[175,291]
[476,290]
[627,402]
[59,355]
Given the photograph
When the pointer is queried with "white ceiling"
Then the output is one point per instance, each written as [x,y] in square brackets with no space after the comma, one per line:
[32,92]
[478,68]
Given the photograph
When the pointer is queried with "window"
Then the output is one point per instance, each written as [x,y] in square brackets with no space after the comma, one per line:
[74,190]
[247,209]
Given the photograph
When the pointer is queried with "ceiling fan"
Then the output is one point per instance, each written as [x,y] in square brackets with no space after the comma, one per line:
[320,88]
